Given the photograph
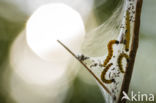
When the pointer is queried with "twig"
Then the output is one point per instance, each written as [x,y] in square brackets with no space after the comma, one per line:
[107,90]
[132,55]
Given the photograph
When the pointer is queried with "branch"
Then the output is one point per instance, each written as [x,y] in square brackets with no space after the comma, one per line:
[107,90]
[133,51]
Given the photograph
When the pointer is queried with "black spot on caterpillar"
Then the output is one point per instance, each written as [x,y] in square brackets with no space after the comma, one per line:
[103,74]
[110,51]
[121,56]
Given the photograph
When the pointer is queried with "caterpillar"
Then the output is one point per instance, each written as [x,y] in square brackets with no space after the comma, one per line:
[127,32]
[119,60]
[104,73]
[110,51]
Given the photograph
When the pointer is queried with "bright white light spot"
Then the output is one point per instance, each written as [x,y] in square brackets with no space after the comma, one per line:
[36,57]
[49,23]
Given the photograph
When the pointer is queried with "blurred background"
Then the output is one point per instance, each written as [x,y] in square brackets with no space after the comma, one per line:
[78,86]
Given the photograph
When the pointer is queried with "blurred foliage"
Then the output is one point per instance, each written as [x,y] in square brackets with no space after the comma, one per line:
[105,10]
[8,32]
[82,92]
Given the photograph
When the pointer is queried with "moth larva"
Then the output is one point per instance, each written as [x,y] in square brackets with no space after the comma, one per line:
[103,74]
[127,32]
[121,56]
[110,51]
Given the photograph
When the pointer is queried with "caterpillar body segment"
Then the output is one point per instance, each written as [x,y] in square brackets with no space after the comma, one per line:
[119,60]
[103,74]
[110,51]
[127,32]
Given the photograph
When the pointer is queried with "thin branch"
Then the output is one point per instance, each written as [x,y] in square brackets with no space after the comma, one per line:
[132,55]
[107,90]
